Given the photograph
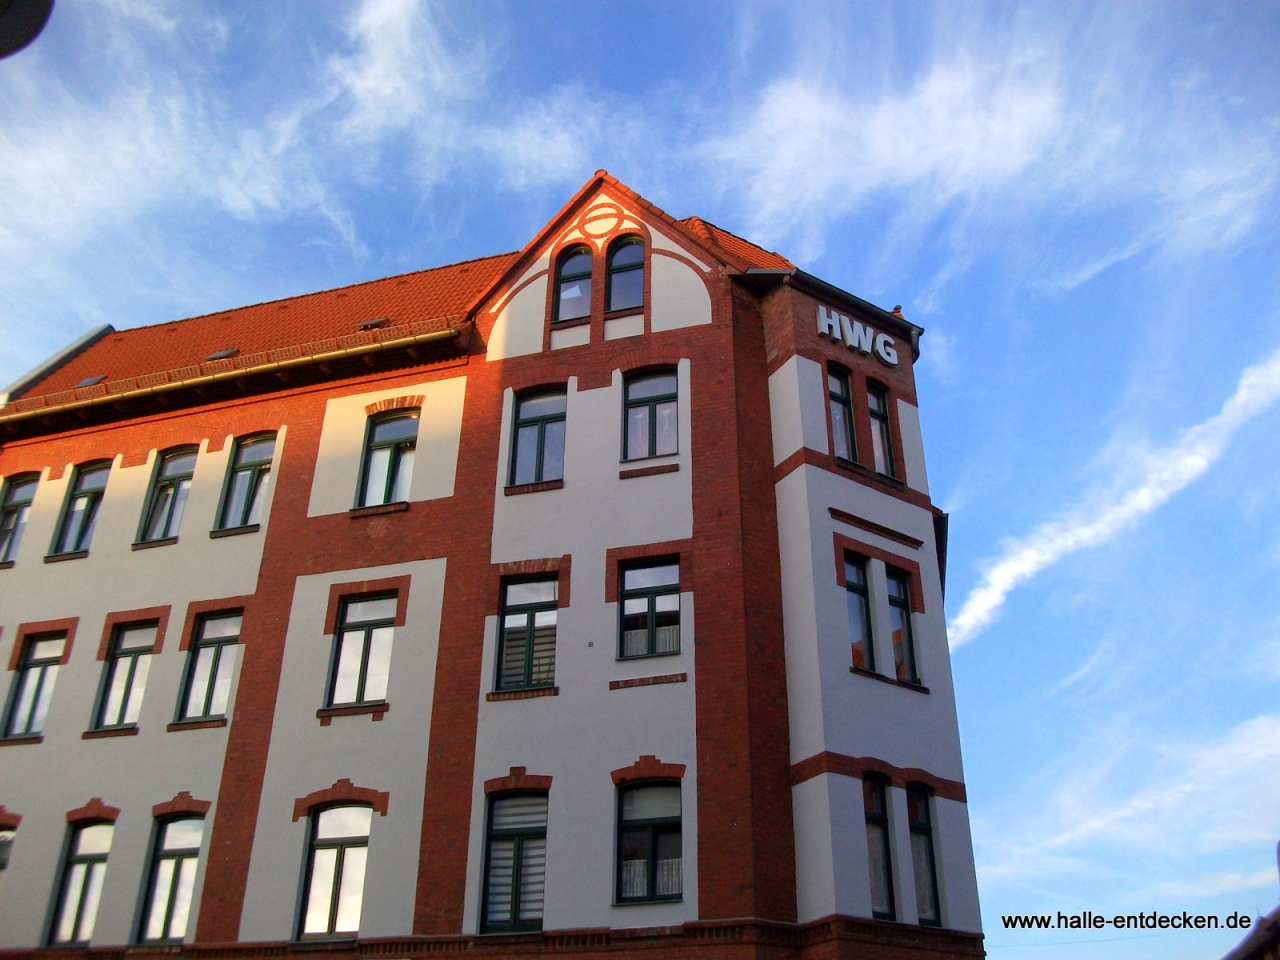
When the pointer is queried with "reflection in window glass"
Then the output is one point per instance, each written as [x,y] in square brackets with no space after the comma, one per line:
[126,680]
[173,878]
[855,584]
[626,274]
[527,652]
[335,878]
[876,809]
[538,438]
[904,648]
[650,418]
[211,665]
[81,513]
[16,506]
[388,465]
[248,483]
[841,415]
[33,685]
[81,888]
[169,495]
[515,863]
[573,285]
[362,665]
[650,601]
[650,866]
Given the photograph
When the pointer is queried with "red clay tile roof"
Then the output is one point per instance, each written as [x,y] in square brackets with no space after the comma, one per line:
[441,294]
[742,249]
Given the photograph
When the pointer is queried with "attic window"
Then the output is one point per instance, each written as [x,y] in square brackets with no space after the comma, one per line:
[374,324]
[91,381]
[222,354]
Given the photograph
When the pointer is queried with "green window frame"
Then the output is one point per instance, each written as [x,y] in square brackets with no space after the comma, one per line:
[362,650]
[858,602]
[650,857]
[625,275]
[904,646]
[124,678]
[84,868]
[19,492]
[923,866]
[80,512]
[881,435]
[527,634]
[337,860]
[573,285]
[32,688]
[211,665]
[248,482]
[169,492]
[649,609]
[515,865]
[843,443]
[875,805]
[171,880]
[537,436]
[651,415]
[387,470]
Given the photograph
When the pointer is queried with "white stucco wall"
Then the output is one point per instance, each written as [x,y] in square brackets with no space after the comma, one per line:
[797,405]
[389,755]
[338,463]
[517,331]
[912,446]
[680,297]
[43,781]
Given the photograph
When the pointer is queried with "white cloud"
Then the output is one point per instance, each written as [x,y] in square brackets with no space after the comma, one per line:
[1194,799]
[1163,473]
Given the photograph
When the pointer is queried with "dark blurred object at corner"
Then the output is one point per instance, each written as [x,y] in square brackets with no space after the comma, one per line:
[21,22]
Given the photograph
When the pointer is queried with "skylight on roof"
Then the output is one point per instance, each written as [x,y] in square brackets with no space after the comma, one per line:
[91,381]
[222,354]
[374,324]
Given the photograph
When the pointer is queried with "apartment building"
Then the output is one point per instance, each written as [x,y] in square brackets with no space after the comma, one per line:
[581,599]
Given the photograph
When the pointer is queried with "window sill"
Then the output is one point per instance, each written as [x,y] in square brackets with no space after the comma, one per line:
[566,324]
[376,710]
[516,489]
[648,471]
[109,732]
[648,681]
[647,901]
[636,311]
[234,531]
[649,656]
[6,564]
[400,506]
[148,544]
[21,741]
[320,941]
[59,557]
[527,693]
[917,687]
[202,724]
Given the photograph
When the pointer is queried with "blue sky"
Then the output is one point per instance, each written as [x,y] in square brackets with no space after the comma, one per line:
[1079,204]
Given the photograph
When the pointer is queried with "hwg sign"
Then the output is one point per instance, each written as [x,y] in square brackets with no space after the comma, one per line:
[836,326]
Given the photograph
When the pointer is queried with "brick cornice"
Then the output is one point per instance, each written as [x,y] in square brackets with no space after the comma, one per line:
[95,809]
[648,767]
[182,803]
[342,791]
[517,779]
[856,767]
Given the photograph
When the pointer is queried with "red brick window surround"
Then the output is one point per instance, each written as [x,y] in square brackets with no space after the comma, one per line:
[338,592]
[529,569]
[648,767]
[342,792]
[395,403]
[94,810]
[893,561]
[38,628]
[197,608]
[8,819]
[183,802]
[615,557]
[858,767]
[158,615]
[518,780]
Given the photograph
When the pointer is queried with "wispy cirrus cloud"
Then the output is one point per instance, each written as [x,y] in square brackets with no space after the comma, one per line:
[1162,474]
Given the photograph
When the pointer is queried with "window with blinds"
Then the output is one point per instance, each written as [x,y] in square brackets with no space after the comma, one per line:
[515,863]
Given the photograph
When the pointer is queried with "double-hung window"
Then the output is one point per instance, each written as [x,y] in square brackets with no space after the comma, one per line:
[879,857]
[515,863]
[856,597]
[248,482]
[172,880]
[210,667]
[650,421]
[169,495]
[388,459]
[125,679]
[81,512]
[335,871]
[904,647]
[650,866]
[650,602]
[881,436]
[33,686]
[537,452]
[80,888]
[573,285]
[626,274]
[926,875]
[841,400]
[362,658]
[16,505]
[528,644]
